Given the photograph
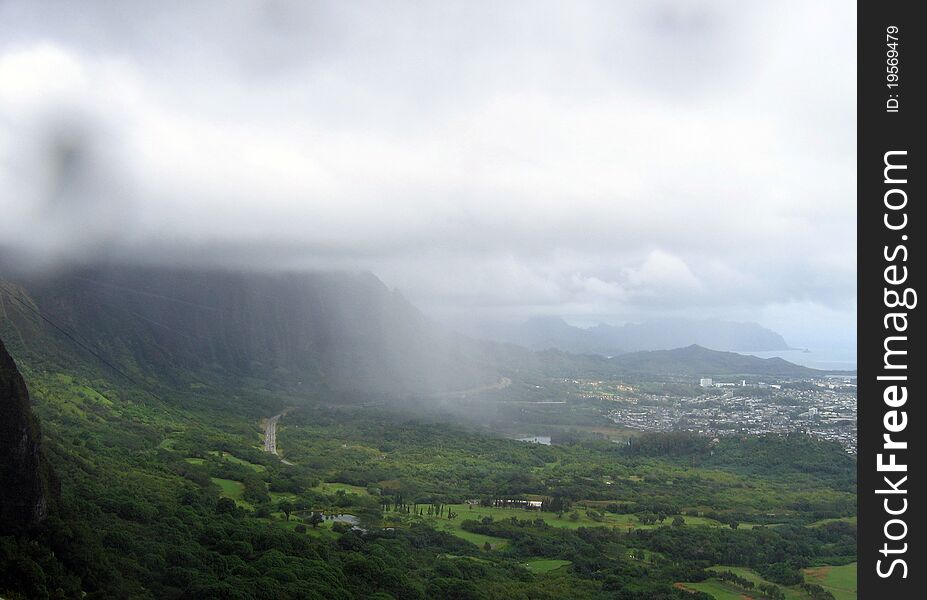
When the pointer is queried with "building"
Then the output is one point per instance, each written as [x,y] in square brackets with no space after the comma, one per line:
[705,382]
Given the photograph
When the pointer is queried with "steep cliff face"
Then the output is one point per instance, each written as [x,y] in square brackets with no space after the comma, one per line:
[23,493]
[339,331]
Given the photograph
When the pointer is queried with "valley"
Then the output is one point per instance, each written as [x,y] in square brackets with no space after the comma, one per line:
[202,481]
[437,301]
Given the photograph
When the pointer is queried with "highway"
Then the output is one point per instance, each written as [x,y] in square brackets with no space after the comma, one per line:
[270,436]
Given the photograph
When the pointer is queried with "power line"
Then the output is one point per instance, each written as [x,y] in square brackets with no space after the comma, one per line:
[84,346]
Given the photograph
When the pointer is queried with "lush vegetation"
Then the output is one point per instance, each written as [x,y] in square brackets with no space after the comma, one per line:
[171,496]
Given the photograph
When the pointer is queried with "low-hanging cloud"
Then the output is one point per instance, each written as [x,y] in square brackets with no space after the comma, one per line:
[604,159]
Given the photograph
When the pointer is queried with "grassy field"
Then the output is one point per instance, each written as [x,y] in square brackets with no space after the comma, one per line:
[791,593]
[276,497]
[718,589]
[467,511]
[850,520]
[472,512]
[545,565]
[722,590]
[839,581]
[453,528]
[323,530]
[238,461]
[232,489]
[229,457]
[325,488]
[333,488]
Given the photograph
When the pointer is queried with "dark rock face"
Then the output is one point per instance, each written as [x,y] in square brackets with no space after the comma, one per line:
[23,495]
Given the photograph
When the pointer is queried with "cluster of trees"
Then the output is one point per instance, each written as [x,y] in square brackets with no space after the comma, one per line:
[777,554]
[770,591]
[399,505]
[816,592]
[556,504]
[677,443]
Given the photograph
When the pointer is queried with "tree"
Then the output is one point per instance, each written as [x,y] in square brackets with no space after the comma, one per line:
[487,547]
[286,507]
[678,521]
[316,519]
[341,527]
[225,505]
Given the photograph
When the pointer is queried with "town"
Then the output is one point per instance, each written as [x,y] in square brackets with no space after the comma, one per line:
[824,407]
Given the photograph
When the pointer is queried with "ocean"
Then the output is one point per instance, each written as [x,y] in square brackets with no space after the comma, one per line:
[830,359]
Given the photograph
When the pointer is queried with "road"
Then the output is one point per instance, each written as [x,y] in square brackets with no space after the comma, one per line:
[270,436]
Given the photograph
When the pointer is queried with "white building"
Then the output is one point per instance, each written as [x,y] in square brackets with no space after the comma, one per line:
[705,382]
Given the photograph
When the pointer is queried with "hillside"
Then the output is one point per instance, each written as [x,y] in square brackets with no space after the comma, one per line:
[177,499]
[696,361]
[313,331]
[306,332]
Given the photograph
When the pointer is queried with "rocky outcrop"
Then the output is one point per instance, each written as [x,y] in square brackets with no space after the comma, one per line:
[23,472]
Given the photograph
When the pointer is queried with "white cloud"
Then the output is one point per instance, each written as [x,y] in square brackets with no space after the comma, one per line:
[610,158]
[662,276]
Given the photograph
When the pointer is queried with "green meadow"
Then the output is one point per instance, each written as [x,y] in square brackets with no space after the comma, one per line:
[718,590]
[545,565]
[334,488]
[232,489]
[839,581]
[572,519]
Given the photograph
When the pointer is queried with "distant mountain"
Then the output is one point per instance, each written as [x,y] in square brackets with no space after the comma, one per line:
[696,362]
[679,364]
[314,332]
[26,482]
[335,331]
[542,333]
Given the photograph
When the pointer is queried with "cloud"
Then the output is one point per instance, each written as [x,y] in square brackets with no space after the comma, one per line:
[662,276]
[615,159]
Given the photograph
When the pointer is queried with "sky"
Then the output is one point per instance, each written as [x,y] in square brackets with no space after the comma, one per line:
[601,161]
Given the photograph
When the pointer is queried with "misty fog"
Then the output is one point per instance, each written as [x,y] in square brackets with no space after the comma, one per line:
[672,159]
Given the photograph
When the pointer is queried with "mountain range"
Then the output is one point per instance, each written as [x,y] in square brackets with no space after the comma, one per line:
[309,332]
[541,333]
[324,331]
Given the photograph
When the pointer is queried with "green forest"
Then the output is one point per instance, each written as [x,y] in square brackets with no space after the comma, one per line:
[171,495]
